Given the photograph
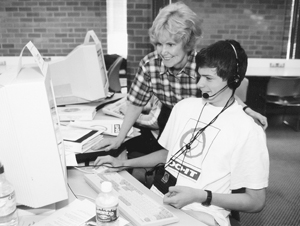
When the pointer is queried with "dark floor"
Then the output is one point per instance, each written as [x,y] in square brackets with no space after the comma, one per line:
[283,196]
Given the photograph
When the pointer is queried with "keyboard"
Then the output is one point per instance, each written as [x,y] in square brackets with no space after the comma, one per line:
[136,206]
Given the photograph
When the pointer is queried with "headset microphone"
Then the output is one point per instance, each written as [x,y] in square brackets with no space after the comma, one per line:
[206,96]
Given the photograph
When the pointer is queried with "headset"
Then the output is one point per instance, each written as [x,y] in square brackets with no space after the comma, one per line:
[233,82]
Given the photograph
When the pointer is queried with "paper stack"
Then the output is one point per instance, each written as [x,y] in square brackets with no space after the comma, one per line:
[80,140]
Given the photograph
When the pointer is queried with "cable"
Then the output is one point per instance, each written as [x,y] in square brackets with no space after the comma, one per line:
[150,172]
[81,170]
[186,147]
[71,190]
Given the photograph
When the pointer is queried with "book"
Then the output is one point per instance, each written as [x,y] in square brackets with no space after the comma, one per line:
[80,140]
[76,112]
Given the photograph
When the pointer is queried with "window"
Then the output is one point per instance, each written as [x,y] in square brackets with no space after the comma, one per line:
[294,42]
[117,27]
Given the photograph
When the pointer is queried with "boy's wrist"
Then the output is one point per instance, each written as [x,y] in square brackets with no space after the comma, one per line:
[208,199]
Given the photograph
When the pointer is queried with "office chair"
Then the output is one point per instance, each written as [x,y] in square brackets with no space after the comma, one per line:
[113,76]
[241,91]
[285,92]
[234,222]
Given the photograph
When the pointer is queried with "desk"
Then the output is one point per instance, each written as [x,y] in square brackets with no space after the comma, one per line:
[259,72]
[79,187]
[259,67]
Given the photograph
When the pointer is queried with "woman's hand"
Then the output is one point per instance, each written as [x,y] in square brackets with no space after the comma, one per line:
[115,163]
[180,196]
[258,118]
[107,144]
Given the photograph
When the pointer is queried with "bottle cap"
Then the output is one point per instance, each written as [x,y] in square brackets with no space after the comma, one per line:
[106,186]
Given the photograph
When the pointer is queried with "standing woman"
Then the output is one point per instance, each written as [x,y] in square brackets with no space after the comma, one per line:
[168,72]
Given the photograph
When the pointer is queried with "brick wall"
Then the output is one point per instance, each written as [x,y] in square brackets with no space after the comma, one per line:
[54,26]
[57,26]
[261,26]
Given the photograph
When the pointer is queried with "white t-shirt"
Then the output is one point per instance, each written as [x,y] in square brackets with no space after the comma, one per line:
[230,154]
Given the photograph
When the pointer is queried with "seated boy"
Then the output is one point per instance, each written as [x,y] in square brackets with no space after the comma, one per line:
[211,147]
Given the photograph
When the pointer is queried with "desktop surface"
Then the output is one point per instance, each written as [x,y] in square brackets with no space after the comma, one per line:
[134,205]
[82,190]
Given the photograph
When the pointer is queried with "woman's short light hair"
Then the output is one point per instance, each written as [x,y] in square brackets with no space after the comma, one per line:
[182,24]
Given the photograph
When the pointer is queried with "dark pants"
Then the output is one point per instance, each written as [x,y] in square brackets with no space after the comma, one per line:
[146,143]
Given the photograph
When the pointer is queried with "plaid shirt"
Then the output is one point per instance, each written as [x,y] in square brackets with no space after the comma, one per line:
[153,78]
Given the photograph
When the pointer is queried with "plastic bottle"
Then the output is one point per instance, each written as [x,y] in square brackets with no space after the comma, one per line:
[107,212]
[8,206]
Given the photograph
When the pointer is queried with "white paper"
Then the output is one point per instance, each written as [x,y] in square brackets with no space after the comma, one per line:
[30,216]
[38,58]
[75,214]
[71,159]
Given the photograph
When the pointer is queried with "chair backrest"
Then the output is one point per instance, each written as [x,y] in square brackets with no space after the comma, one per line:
[283,87]
[241,91]
[113,75]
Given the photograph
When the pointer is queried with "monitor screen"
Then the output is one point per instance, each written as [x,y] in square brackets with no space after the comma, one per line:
[81,76]
[30,142]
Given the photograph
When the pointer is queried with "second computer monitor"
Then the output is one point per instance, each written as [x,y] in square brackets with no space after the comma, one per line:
[81,76]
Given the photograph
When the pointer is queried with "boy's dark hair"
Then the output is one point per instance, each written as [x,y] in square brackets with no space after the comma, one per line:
[228,57]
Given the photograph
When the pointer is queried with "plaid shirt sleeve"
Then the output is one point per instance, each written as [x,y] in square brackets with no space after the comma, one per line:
[150,119]
[141,89]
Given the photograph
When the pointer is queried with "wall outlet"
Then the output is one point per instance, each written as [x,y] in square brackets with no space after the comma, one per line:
[277,65]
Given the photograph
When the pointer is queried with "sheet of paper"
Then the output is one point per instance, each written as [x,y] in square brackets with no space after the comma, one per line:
[78,213]
[30,220]
[29,216]
[37,57]
[75,214]
[71,159]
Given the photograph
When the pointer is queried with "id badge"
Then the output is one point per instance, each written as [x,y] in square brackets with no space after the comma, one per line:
[163,180]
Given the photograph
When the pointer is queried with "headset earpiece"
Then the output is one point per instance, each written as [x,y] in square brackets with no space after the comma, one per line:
[235,81]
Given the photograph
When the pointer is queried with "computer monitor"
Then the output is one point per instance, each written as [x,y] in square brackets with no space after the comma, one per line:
[31,147]
[81,77]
